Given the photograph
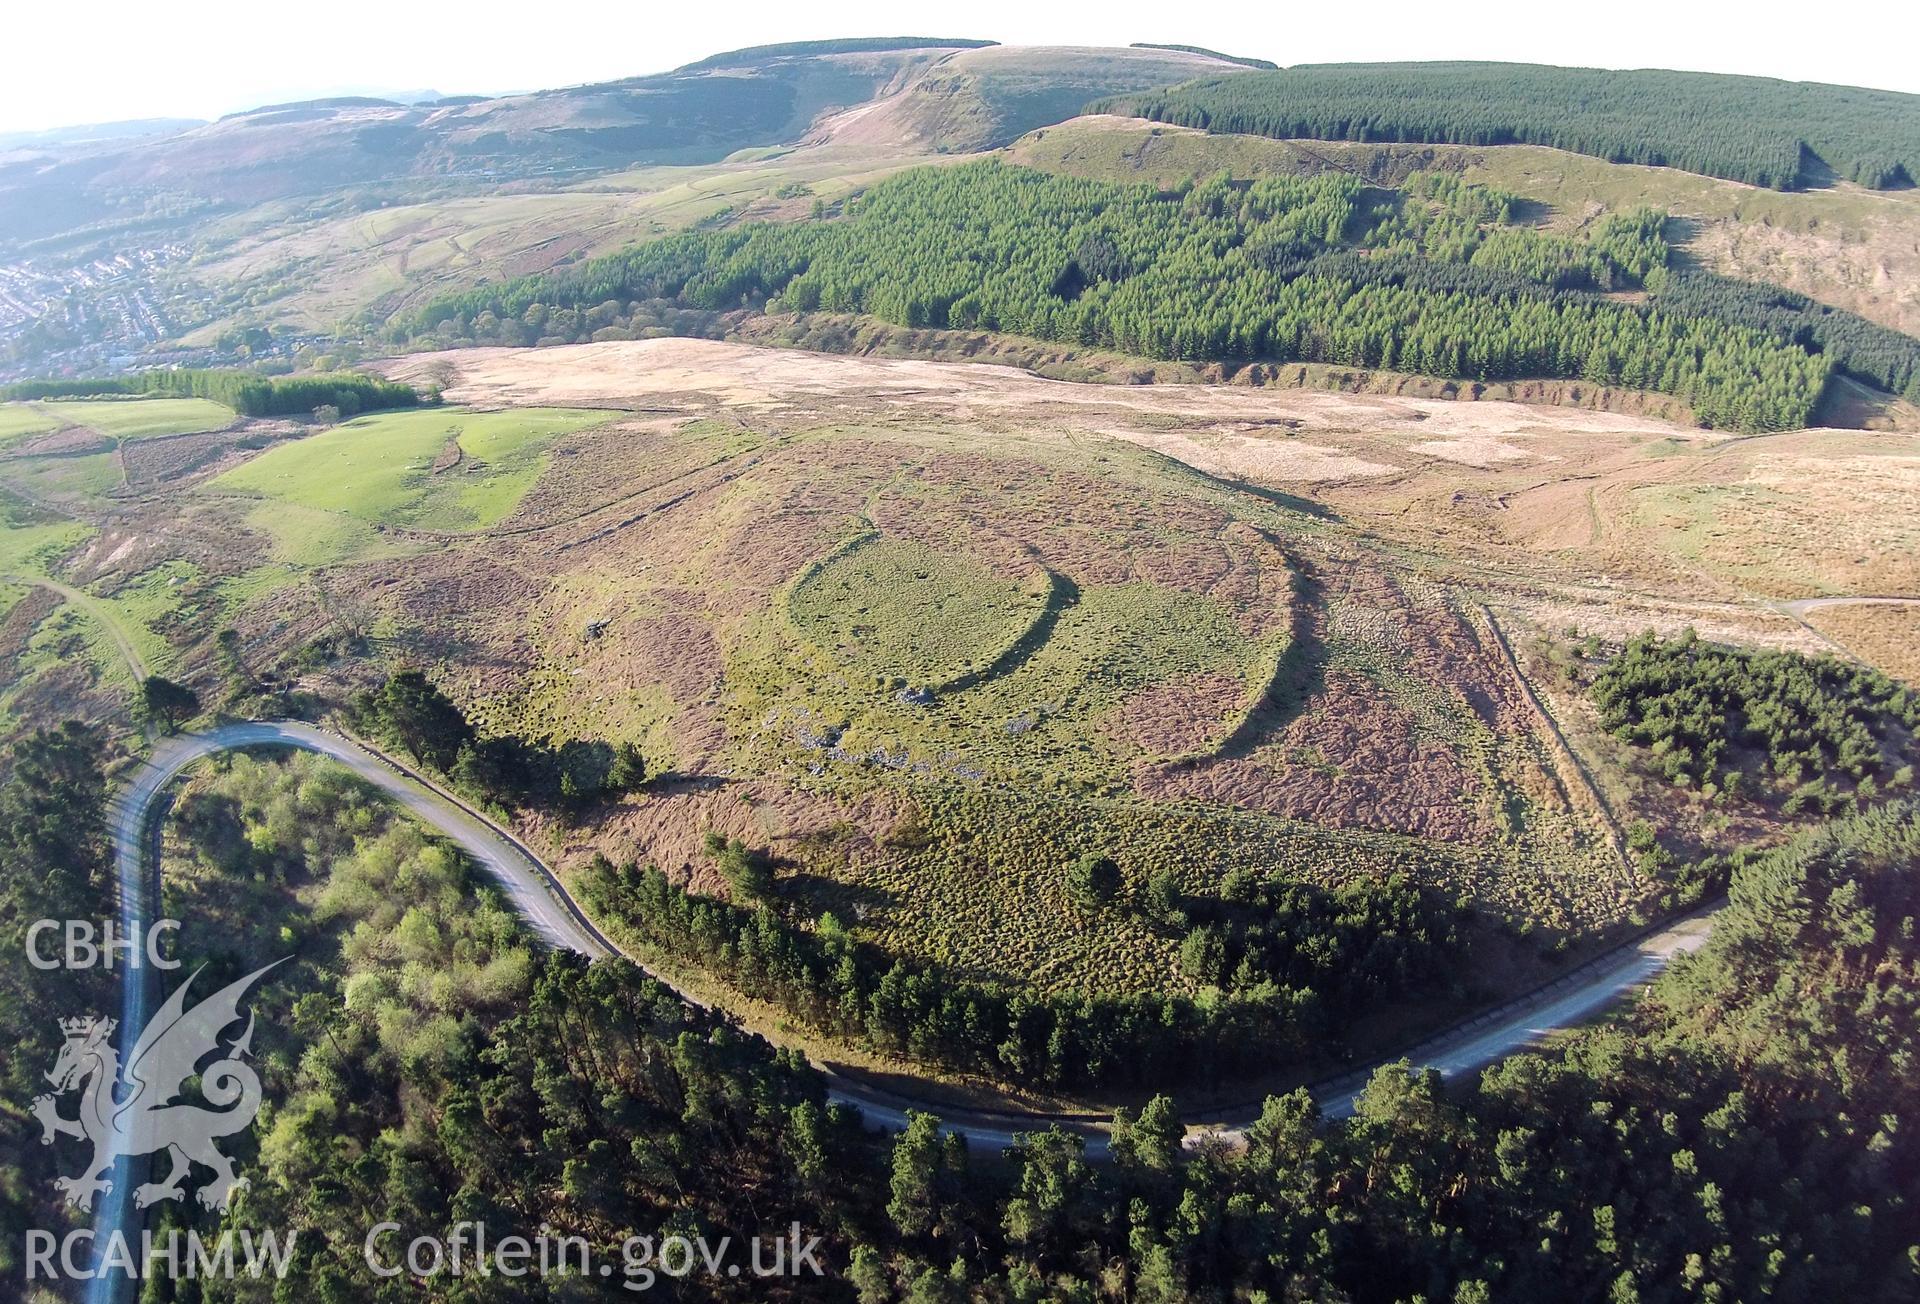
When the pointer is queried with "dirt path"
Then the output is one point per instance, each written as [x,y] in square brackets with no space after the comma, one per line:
[1564,755]
[1798,610]
[94,610]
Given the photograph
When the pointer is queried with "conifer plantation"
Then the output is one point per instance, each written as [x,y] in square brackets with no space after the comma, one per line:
[1428,280]
[1753,129]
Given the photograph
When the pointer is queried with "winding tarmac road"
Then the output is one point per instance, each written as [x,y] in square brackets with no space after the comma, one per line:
[554,916]
[1801,606]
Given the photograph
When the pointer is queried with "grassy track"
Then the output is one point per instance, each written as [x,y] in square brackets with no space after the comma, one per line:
[123,639]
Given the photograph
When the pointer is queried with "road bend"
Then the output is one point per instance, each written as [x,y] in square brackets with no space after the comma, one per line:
[537,894]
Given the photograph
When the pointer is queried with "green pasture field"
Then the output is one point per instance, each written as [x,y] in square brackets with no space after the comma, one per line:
[305,537]
[142,418]
[57,477]
[26,549]
[23,421]
[379,470]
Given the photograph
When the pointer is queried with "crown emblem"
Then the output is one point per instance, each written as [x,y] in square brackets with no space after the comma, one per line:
[134,1109]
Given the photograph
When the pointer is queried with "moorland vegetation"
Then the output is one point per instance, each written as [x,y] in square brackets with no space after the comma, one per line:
[1281,971]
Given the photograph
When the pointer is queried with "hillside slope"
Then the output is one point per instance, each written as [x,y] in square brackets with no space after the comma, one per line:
[984,98]
[284,150]
[1846,246]
[950,97]
[1787,135]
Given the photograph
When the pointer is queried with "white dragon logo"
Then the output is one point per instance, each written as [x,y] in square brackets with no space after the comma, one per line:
[149,1120]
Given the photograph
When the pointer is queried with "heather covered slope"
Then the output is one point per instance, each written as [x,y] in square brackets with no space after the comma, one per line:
[1022,685]
[282,151]
[826,613]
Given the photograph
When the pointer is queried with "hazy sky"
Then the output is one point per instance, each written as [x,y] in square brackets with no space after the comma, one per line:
[94,62]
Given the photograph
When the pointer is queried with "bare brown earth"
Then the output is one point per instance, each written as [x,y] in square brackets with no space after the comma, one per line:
[152,463]
[629,372]
[1612,499]
[69,441]
[26,613]
[868,337]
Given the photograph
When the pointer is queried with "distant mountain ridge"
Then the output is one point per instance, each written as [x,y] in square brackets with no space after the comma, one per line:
[957,95]
[749,55]
[354,98]
[93,132]
[1264,65]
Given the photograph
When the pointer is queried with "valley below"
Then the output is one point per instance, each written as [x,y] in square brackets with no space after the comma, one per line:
[1097,673]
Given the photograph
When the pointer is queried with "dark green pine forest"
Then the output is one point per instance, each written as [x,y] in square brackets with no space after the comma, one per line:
[1813,734]
[1435,279]
[1743,1132]
[1786,135]
[246,393]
